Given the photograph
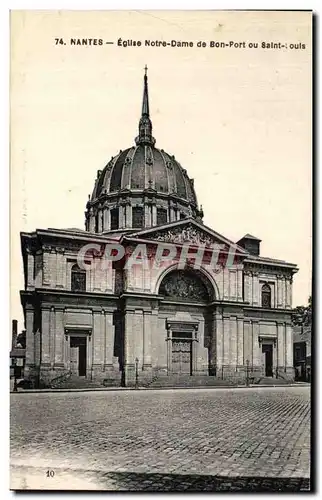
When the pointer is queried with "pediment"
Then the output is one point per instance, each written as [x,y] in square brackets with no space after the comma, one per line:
[184,232]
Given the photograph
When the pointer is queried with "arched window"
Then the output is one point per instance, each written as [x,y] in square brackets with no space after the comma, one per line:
[162,216]
[266,296]
[137,217]
[114,219]
[78,279]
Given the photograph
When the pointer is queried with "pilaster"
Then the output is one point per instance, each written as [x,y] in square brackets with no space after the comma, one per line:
[226,325]
[240,341]
[106,219]
[280,345]
[233,342]
[59,336]
[239,284]
[30,346]
[45,337]
[147,339]
[108,328]
[218,344]
[30,269]
[256,353]
[255,288]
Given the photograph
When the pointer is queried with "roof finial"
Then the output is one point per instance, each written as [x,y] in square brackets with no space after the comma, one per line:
[145,125]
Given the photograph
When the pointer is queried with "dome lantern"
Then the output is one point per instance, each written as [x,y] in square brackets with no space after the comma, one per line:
[158,190]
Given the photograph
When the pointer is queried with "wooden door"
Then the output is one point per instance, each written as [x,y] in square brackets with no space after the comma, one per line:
[181,356]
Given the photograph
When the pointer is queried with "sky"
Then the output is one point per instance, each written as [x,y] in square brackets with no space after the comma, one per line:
[237,119]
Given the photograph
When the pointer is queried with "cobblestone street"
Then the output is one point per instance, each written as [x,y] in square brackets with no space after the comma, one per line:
[205,439]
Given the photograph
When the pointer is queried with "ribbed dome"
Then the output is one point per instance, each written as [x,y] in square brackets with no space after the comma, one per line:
[142,186]
[142,167]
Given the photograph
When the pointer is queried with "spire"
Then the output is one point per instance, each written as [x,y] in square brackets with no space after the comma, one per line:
[145,103]
[145,124]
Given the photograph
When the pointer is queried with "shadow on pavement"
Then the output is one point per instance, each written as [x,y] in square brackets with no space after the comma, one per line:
[132,481]
[75,480]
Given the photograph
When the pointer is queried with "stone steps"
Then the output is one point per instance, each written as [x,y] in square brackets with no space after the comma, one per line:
[208,381]
[274,381]
[188,381]
[78,383]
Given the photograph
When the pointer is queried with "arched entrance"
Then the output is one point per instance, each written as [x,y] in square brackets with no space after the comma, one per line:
[185,307]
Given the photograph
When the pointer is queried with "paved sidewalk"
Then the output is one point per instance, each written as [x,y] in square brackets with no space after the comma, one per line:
[163,440]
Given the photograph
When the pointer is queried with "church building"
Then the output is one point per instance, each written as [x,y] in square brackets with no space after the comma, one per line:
[192,305]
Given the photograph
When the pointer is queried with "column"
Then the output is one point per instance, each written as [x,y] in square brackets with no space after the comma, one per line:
[219,343]
[59,337]
[106,219]
[288,293]
[92,223]
[128,215]
[172,214]
[30,359]
[239,284]
[280,345]
[147,215]
[147,337]
[109,339]
[45,337]
[240,341]
[121,216]
[154,215]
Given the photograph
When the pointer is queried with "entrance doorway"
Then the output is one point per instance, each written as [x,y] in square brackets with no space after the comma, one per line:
[78,356]
[267,350]
[182,354]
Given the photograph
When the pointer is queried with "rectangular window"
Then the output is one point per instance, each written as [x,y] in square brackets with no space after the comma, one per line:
[114,218]
[137,217]
[162,216]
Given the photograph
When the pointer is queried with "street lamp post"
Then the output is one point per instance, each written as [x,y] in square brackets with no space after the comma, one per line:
[136,373]
[247,372]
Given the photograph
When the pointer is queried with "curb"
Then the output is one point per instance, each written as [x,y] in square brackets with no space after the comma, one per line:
[122,389]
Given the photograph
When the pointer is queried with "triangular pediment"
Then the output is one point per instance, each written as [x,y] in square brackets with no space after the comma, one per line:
[183,232]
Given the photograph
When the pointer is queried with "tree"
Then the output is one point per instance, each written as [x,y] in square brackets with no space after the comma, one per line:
[21,339]
[302,315]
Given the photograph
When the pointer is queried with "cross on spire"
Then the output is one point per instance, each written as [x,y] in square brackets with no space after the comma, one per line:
[146,70]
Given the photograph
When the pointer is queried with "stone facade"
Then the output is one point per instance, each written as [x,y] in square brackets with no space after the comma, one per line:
[139,314]
[204,310]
